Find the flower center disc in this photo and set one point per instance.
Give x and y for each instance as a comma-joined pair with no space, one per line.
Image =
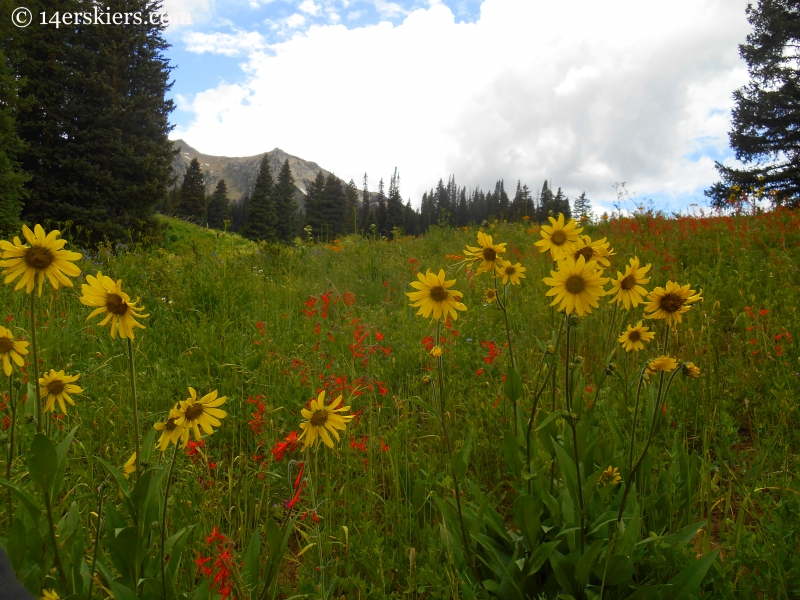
635,335
319,418
171,424
586,253
438,293
575,284
55,387
628,283
489,254
6,345
116,305
558,238
193,412
38,258
671,303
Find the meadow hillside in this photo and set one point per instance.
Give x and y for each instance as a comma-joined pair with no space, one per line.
714,512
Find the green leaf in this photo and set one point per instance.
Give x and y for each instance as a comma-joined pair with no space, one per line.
615,570
43,463
512,386
648,592
540,556
563,570
273,537
688,581
250,572
587,561
122,482
124,545
681,538
28,501
460,459
511,454
148,444
547,420
17,545
567,466
527,515
30,400
122,592
62,450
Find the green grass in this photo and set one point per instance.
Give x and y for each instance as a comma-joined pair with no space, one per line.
228,314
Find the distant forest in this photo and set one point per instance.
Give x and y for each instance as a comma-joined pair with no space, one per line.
333,208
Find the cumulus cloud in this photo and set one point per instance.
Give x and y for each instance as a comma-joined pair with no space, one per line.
583,93
227,44
308,7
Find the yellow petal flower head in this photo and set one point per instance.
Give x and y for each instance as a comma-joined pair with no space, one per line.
58,386
558,237
635,336
194,414
323,421
11,350
108,296
491,295
436,351
129,467
50,595
170,432
576,285
510,272
44,257
627,287
599,250
487,253
689,369
434,296
671,302
665,364
610,476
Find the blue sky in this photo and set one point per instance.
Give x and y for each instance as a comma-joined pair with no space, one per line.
583,93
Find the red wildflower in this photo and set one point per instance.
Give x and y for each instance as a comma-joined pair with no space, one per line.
480,372
288,444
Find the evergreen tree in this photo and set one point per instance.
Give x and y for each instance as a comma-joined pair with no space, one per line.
192,201
94,117
366,217
561,205
314,216
219,207
429,215
462,212
239,212
261,220
545,208
765,129
582,207
443,208
411,225
12,178
332,207
380,213
492,209
502,200
351,207
395,211
285,204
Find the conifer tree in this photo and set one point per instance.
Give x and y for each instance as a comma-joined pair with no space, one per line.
366,216
395,211
285,204
239,212
582,207
351,207
380,212
314,215
429,215
261,219
545,208
219,207
462,218
502,199
192,201
443,208
332,207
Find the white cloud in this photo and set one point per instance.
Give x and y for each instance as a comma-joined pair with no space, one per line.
295,20
308,7
227,44
389,9
353,15
583,94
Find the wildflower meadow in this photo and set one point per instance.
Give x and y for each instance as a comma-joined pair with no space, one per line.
582,410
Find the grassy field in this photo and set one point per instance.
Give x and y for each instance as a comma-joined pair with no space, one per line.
713,512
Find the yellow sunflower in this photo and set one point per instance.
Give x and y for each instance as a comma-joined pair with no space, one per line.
558,237
510,272
689,369
671,302
170,432
11,350
436,351
50,595
610,476
634,337
665,364
104,293
130,466
627,287
194,414
576,285
598,250
491,295
58,386
44,256
487,253
323,421
435,297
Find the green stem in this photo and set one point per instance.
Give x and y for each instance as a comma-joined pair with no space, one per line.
101,494
442,414
571,420
610,335
53,541
164,520
35,357
635,419
10,461
510,347
274,563
135,409
536,405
